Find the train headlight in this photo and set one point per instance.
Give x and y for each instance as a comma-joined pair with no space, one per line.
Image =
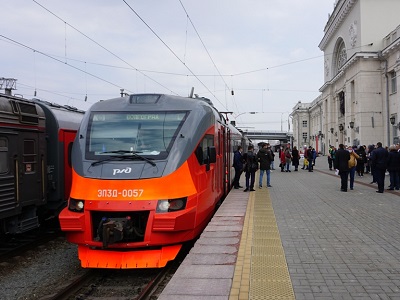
162,206
76,205
171,205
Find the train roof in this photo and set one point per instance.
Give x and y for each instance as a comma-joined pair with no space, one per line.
63,116
16,110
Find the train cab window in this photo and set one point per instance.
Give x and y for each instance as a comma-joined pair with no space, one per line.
29,156
70,154
150,134
3,155
202,149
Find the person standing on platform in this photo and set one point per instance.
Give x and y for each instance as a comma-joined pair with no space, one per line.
352,164
370,167
251,168
310,158
333,154
315,154
393,166
341,162
379,158
282,160
295,158
330,160
305,165
288,160
238,165
361,161
265,158
273,159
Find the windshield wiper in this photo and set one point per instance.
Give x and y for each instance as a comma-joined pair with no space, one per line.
132,155
121,152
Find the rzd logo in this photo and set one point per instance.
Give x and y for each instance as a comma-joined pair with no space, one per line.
127,170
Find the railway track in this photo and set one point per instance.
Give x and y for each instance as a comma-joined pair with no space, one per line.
116,284
11,246
137,284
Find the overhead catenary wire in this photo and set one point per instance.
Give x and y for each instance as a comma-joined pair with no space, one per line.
172,73
101,46
58,93
204,46
232,75
209,55
185,74
173,53
58,60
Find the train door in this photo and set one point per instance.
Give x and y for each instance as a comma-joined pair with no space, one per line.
30,161
68,138
220,165
229,158
226,163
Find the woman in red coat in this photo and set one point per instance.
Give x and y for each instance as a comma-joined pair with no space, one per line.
282,159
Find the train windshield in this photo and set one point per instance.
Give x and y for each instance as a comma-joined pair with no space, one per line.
149,134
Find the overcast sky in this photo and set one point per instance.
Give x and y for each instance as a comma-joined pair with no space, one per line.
265,51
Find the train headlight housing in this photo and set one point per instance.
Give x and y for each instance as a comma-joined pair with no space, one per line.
76,205
171,205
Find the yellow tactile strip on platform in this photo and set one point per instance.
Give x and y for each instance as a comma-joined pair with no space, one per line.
261,271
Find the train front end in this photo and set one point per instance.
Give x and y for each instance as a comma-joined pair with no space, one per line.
138,189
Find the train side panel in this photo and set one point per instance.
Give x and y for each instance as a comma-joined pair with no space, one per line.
23,164
34,137
62,123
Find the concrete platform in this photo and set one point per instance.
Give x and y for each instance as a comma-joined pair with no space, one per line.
300,239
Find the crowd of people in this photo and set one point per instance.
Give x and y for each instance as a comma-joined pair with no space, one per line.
360,160
250,163
263,160
346,161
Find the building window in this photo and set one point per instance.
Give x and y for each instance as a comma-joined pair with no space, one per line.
341,103
393,82
340,56
305,135
304,124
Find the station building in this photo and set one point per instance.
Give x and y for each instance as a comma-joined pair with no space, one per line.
359,102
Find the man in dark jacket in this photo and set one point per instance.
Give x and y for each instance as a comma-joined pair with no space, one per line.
250,169
393,167
379,157
341,162
238,165
265,157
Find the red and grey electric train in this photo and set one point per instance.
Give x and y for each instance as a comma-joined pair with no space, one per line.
148,172
35,172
